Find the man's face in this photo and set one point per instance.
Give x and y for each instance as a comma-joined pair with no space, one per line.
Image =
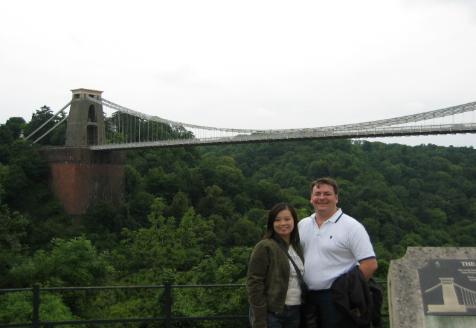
324,199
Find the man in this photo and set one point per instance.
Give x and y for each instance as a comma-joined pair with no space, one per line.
333,244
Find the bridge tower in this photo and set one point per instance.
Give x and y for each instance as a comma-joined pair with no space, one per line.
450,299
86,119
79,176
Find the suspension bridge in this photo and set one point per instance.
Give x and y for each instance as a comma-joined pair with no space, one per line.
106,125
90,165
456,298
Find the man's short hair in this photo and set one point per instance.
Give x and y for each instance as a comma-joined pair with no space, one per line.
327,181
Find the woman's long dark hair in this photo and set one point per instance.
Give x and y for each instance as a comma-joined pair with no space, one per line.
273,213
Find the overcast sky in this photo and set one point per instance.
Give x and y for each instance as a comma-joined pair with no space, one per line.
244,64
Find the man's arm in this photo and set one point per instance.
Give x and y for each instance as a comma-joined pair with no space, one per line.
368,267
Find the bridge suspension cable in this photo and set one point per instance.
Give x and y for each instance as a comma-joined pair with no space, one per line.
51,129
129,111
46,122
128,128
134,123
453,110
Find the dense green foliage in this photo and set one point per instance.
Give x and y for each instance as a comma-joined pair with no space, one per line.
191,216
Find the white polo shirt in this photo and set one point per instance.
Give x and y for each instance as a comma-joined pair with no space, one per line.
333,249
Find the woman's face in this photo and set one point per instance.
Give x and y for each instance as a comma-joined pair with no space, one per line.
283,224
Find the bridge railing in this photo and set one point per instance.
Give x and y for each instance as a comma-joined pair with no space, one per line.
165,303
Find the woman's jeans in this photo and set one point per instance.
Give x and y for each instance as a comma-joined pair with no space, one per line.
289,318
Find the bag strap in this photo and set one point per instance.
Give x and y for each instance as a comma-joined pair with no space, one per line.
298,272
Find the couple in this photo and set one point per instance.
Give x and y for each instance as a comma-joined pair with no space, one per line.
318,250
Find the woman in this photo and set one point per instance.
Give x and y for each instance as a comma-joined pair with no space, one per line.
273,286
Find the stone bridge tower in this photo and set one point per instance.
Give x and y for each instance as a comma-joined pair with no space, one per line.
81,177
85,119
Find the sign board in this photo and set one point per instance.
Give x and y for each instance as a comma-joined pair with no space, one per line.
448,287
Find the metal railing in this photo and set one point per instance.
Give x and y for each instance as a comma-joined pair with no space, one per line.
167,300
167,318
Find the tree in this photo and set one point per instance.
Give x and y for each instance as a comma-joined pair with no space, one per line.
180,204
156,253
244,232
16,126
215,203
268,193
73,262
105,217
133,180
13,232
16,308
40,116
25,183
139,208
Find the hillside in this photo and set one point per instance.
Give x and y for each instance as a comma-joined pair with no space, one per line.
191,215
